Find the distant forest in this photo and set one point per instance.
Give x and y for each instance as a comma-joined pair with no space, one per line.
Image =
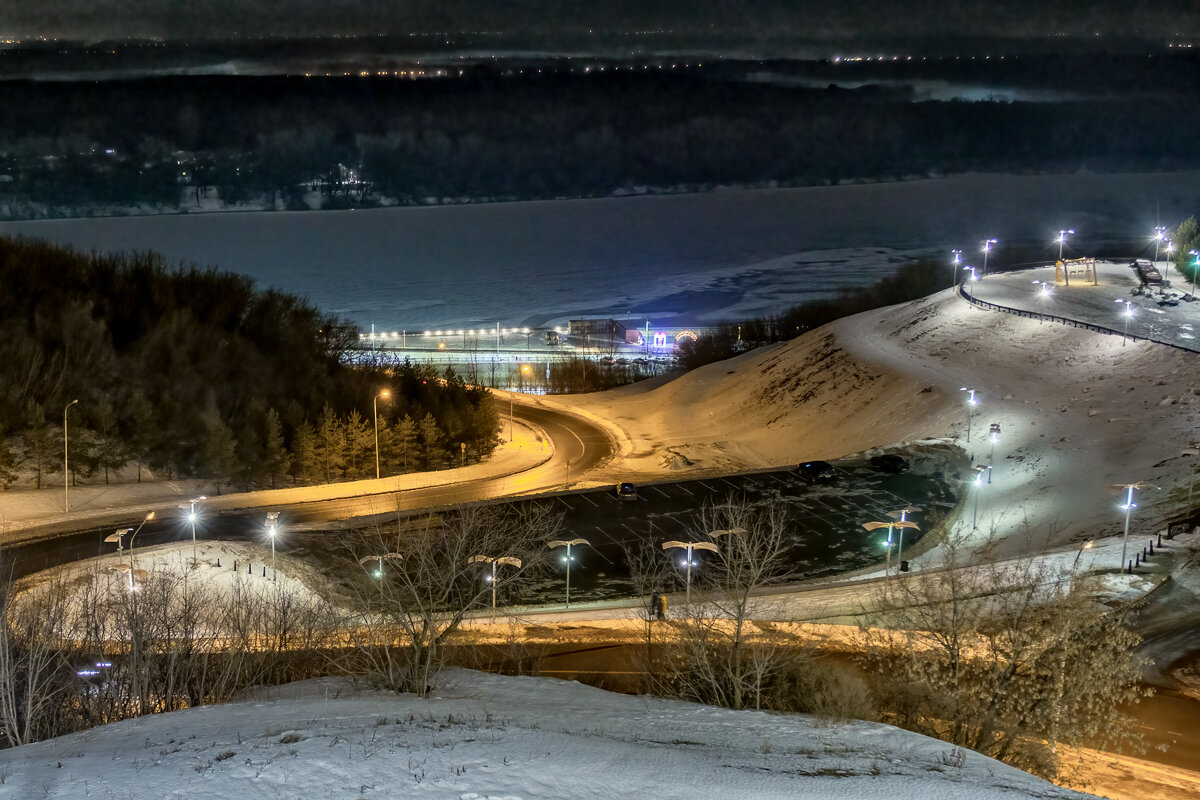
360,141
194,372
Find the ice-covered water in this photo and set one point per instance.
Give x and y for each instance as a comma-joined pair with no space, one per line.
699,256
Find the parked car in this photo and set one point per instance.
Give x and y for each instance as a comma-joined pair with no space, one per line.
889,463
813,471
626,491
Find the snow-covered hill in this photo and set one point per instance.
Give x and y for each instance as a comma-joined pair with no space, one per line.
483,736
1078,411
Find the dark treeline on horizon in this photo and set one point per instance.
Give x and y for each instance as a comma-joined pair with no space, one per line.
366,141
198,373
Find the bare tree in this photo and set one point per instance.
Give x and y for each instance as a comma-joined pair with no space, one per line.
416,585
1006,658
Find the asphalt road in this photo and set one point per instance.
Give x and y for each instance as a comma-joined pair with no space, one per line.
572,439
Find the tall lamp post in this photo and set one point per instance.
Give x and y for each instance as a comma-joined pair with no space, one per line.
66,472
375,410
272,531
986,247
993,436
1127,508
191,506
971,403
568,558
689,562
1195,268
1062,240
132,533
509,560
378,573
979,470
902,515
955,261
871,526
1128,313
1160,234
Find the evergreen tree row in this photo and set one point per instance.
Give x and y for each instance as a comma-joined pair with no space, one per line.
193,372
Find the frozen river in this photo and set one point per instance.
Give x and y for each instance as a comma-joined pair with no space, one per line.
700,257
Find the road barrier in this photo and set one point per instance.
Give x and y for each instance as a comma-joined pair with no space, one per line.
1020,312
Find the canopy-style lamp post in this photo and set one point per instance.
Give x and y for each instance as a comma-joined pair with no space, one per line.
509,560
568,558
689,562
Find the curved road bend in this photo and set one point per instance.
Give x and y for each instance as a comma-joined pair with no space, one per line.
572,438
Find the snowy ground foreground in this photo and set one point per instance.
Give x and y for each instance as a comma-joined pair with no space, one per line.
1078,411
485,736
21,508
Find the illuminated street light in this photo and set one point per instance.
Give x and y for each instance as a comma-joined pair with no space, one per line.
509,560
1160,234
191,518
1062,239
1127,508
993,436
986,248
375,410
902,524
568,558
902,515
688,561
272,531
378,573
66,472
116,537
955,261
1128,313
1045,291
979,470
971,403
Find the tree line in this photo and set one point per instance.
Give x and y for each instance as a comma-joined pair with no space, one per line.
484,136
192,372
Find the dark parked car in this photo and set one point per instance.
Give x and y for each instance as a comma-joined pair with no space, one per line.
889,463
626,491
813,471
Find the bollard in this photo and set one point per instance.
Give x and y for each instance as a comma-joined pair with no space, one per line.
1137,560
235,565
1151,547
249,569
1143,554
1160,540
264,570
218,563
1130,570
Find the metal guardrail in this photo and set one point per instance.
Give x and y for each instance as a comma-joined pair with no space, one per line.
962,290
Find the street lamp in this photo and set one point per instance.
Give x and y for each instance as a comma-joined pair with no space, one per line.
1128,314
902,515
871,526
375,409
955,261
66,473
116,537
1127,508
689,562
979,470
1195,268
1160,233
1062,239
568,558
1045,288
378,573
192,520
509,560
986,247
971,403
993,436
272,531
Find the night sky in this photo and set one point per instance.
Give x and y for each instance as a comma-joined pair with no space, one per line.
750,18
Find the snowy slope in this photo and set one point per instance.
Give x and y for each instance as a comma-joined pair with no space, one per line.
1078,411
484,736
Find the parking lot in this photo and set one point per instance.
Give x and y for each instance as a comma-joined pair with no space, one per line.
823,521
